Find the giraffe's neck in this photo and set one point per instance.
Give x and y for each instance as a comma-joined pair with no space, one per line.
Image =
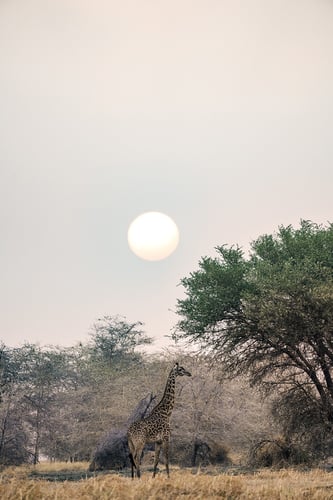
165,406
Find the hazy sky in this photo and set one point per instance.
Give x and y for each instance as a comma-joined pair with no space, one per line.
218,113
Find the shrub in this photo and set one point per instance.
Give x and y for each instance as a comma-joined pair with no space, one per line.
190,453
278,452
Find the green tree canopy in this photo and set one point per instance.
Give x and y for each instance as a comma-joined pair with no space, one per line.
270,314
114,338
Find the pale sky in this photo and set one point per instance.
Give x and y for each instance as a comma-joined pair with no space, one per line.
218,113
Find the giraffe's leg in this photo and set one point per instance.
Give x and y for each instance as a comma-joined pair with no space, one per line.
157,456
132,465
137,459
166,455
138,471
131,455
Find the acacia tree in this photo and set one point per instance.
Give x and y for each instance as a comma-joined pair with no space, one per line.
270,315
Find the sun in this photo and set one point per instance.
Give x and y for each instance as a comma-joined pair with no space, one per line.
153,236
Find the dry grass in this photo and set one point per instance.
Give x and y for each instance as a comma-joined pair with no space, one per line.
17,484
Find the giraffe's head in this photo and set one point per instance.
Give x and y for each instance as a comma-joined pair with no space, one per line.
180,371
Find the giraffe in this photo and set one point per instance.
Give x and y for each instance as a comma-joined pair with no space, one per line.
156,427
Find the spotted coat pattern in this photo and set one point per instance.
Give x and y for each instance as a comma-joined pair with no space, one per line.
156,427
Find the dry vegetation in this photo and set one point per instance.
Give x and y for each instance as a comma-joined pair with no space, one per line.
26,483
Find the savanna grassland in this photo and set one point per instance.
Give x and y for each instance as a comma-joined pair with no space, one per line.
69,481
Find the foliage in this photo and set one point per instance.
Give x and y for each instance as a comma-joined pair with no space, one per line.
62,402
214,297
31,378
114,339
270,316
65,413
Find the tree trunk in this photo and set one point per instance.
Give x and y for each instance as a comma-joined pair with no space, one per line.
36,447
3,431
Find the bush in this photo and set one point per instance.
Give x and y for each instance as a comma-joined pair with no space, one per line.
278,452
198,452
15,449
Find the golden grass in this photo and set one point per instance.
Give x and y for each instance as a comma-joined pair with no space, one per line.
17,484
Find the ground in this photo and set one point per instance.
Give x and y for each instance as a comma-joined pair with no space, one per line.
62,481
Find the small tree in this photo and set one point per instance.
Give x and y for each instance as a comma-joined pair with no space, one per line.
115,339
42,375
